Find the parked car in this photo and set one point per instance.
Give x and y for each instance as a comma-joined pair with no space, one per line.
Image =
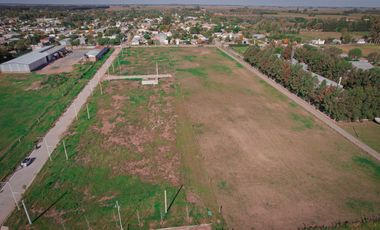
27,161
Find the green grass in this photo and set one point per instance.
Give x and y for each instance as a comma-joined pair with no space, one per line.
88,184
230,58
302,122
240,49
28,114
368,165
368,132
189,58
272,91
360,205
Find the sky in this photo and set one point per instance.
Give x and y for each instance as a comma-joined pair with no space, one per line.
331,3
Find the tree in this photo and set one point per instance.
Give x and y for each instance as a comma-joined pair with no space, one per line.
374,33
355,54
374,58
346,36
167,20
287,54
147,36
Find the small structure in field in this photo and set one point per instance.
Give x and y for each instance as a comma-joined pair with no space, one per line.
150,81
96,54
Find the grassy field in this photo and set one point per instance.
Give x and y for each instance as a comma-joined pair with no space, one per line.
310,35
128,152
30,104
368,132
366,48
240,49
236,144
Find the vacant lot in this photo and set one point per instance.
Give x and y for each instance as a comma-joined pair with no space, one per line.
30,104
237,145
65,64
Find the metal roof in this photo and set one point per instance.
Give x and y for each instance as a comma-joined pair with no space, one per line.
365,65
93,52
35,55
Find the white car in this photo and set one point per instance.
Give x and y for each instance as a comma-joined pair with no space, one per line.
27,161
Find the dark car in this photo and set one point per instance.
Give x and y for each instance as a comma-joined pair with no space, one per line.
27,161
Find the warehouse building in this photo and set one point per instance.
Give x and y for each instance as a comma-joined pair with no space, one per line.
96,54
33,60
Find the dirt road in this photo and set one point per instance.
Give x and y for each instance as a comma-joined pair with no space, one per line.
321,116
23,178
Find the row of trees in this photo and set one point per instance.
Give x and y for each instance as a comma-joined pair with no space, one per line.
329,64
356,101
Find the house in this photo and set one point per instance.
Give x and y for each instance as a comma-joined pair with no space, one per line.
258,36
96,54
65,42
337,41
33,60
362,64
245,41
136,40
317,42
161,38
361,41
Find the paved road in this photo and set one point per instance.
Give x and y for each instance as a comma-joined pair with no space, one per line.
311,109
23,178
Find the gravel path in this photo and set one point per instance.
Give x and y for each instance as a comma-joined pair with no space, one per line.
23,178
311,109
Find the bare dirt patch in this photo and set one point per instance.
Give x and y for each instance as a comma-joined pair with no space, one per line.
64,64
141,120
36,85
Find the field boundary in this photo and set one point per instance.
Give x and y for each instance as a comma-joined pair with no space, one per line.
318,114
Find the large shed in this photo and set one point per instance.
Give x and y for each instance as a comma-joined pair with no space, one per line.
96,54
33,60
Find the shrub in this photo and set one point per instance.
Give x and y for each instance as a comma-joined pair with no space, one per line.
355,53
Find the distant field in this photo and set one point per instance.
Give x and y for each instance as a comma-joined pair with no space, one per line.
235,143
368,132
310,35
30,104
366,48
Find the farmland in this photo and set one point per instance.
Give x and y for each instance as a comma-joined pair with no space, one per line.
236,144
30,104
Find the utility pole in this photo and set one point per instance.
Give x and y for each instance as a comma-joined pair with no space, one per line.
47,148
101,88
166,203
64,148
88,223
88,112
26,212
76,111
118,211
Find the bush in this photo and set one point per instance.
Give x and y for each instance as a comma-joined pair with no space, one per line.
355,54
374,58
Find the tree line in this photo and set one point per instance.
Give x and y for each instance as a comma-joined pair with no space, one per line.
359,99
